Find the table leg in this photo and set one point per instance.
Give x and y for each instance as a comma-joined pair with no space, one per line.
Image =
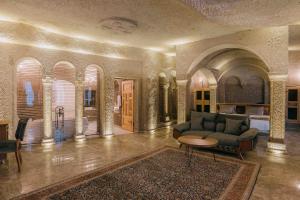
214,156
190,155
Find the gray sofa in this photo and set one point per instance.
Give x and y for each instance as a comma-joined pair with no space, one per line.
232,131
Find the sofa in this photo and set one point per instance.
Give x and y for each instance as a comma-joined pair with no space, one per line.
233,132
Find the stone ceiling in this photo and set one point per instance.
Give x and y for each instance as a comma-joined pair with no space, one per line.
154,24
248,13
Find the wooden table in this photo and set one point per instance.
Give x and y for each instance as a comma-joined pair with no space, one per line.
191,141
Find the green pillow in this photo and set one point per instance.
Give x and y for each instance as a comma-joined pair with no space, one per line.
220,127
209,125
233,126
196,123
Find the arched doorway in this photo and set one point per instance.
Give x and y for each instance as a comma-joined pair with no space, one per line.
63,101
238,81
93,92
30,98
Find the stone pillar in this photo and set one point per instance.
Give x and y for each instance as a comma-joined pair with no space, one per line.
166,102
213,98
181,93
47,111
79,85
277,112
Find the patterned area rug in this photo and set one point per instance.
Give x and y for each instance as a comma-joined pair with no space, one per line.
160,174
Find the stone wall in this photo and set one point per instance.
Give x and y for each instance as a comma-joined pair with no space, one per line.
143,69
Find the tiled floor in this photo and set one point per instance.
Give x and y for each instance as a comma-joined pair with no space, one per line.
279,177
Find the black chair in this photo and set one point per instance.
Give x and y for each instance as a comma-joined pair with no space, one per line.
9,146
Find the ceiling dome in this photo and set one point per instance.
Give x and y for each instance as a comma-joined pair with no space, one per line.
249,13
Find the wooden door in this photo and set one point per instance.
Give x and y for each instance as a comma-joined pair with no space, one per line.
127,105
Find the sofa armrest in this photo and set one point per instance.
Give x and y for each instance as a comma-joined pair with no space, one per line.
182,127
248,135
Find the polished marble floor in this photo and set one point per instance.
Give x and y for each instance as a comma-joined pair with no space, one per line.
279,177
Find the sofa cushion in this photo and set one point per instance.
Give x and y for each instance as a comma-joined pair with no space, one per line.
233,126
205,115
220,127
209,125
223,117
198,133
196,123
226,139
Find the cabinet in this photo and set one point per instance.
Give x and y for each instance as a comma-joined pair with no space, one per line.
3,136
293,103
202,100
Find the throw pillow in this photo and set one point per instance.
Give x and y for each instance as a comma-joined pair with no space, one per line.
233,126
196,123
209,125
220,127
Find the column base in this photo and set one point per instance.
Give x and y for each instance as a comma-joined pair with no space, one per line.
78,138
167,118
47,141
277,147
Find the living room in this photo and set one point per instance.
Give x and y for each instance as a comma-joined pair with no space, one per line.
172,99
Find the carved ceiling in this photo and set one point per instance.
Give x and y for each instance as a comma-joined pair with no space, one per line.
153,24
248,13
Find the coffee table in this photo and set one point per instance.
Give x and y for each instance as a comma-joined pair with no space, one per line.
192,141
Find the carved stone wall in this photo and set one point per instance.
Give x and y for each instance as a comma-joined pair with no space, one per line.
182,94
278,104
144,71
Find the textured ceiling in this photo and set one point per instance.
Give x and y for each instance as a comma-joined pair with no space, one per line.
142,23
248,13
156,24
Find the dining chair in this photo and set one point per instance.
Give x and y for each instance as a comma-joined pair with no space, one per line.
9,146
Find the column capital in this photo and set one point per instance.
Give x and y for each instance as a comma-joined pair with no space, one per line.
182,82
47,80
278,77
166,86
213,86
79,83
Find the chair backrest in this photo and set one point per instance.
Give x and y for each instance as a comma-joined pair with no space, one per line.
21,129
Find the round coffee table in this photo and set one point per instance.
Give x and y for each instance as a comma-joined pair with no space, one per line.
191,141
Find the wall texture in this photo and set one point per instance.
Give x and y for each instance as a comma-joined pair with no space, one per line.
142,66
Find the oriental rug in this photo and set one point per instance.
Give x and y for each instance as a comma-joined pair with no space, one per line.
160,174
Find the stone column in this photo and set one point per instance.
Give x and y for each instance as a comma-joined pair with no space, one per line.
47,111
277,112
79,85
166,102
213,98
181,93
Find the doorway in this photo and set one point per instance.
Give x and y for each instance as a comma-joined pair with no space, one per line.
123,106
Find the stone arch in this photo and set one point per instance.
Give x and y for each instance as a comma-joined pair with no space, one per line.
101,91
215,50
29,96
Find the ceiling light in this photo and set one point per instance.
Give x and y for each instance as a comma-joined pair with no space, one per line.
44,45
113,55
170,54
5,39
155,49
179,41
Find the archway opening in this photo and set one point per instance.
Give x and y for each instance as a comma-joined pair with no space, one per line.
63,101
92,100
242,84
30,98
167,97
